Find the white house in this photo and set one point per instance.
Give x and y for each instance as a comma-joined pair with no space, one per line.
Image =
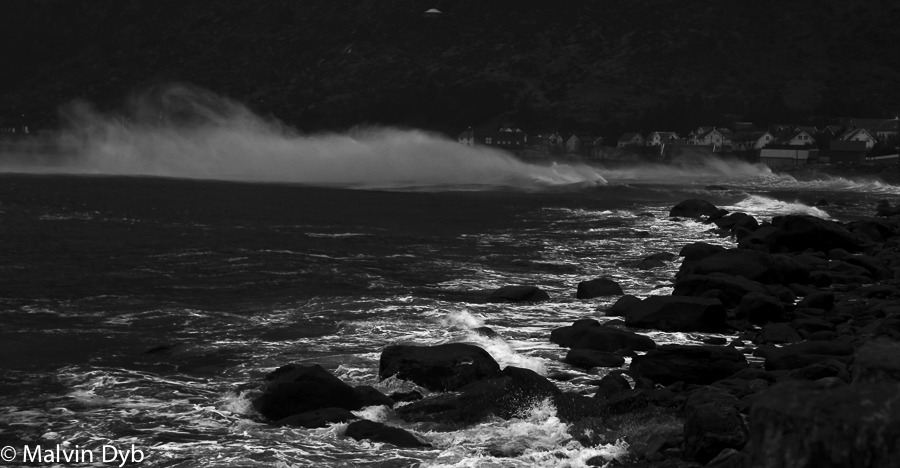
660,138
860,134
751,140
795,138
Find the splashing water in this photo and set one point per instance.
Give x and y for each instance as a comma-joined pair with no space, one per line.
184,132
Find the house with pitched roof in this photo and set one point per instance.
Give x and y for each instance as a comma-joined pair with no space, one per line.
743,141
887,130
859,134
794,138
502,140
630,139
661,138
711,137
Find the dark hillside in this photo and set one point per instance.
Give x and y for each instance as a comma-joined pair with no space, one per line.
590,65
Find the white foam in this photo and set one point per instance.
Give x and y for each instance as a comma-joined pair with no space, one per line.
758,205
462,318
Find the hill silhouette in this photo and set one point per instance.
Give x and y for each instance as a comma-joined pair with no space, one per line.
597,66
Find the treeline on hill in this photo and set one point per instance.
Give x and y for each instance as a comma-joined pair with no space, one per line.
601,66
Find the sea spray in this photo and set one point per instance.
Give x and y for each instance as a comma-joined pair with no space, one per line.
179,131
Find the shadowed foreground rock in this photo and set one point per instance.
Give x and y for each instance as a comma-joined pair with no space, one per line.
597,288
445,367
378,432
678,313
689,364
693,208
712,423
795,425
317,418
589,334
518,294
295,389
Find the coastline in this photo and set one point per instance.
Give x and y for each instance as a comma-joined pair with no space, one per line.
886,173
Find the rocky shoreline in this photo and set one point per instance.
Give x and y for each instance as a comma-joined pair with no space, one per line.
814,302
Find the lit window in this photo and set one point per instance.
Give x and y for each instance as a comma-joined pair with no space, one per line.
487,141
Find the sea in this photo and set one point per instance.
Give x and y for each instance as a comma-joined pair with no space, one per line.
153,275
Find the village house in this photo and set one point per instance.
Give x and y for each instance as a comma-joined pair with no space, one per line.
584,145
860,134
630,139
794,138
743,141
503,140
661,138
847,152
888,130
711,137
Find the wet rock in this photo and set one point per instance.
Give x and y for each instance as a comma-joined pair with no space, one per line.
295,389
761,308
693,253
445,367
755,266
318,418
763,239
588,358
572,407
678,313
370,396
737,220
727,288
597,288
819,370
589,334
622,306
690,364
795,356
486,332
877,362
610,385
518,294
712,423
693,208
378,432
796,425
797,233
515,390
406,396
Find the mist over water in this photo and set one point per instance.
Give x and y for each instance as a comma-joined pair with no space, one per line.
184,132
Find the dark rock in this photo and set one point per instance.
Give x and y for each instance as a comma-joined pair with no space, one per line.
610,385
592,335
819,370
802,289
761,308
662,256
486,332
693,208
690,364
622,306
571,407
799,355
378,432
588,358
877,362
779,333
318,418
810,325
597,288
755,266
797,233
824,335
728,289
518,294
406,396
295,389
371,396
624,402
693,253
443,367
712,423
796,425
678,313
762,239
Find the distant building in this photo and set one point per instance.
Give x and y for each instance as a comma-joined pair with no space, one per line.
630,139
743,141
588,146
512,141
710,136
794,138
784,157
860,134
660,138
887,130
848,152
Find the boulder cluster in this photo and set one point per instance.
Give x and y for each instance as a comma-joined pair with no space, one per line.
814,304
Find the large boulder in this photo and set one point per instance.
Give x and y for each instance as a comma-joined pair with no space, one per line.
507,395
589,358
597,288
728,289
797,233
760,308
796,425
518,294
318,418
795,356
690,364
445,367
623,305
779,333
693,253
712,423
693,208
755,266
678,313
877,362
379,432
295,389
589,334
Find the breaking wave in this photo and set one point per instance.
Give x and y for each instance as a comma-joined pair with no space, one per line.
183,132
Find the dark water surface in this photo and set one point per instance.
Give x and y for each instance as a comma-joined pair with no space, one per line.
134,310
